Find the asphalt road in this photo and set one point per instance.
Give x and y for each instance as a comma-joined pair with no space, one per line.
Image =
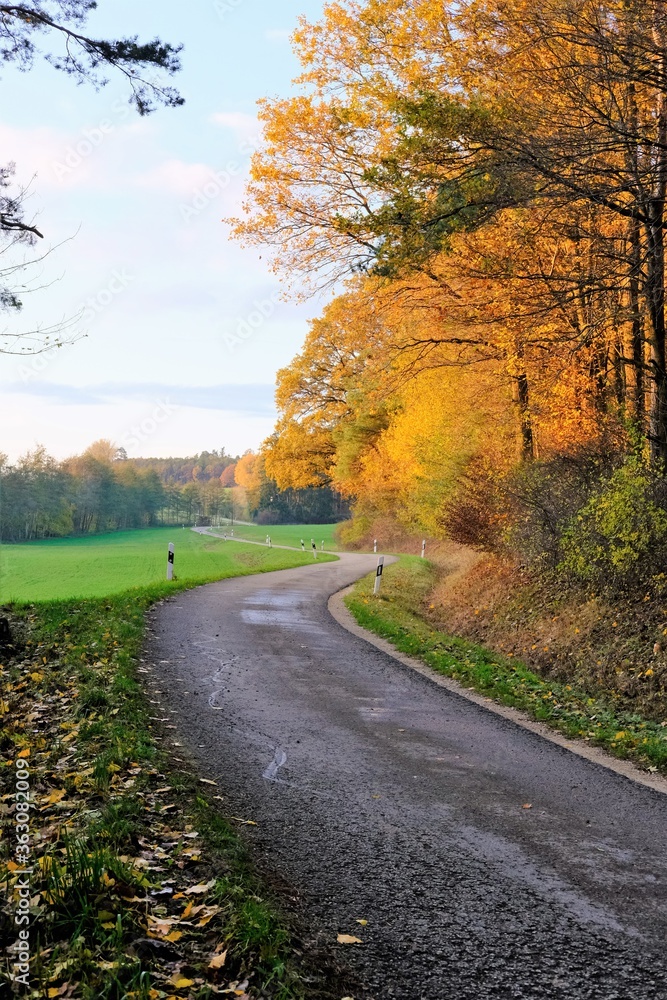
382,797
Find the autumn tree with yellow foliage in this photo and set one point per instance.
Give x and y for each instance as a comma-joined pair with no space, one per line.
488,178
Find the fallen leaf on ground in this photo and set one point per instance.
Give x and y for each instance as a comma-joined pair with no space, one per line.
348,939
57,795
527,805
218,961
363,923
239,989
160,927
196,890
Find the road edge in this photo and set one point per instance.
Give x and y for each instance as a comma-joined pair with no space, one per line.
595,755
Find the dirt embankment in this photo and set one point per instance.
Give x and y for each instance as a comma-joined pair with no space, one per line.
614,647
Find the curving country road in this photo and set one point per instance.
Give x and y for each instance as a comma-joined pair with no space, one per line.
383,797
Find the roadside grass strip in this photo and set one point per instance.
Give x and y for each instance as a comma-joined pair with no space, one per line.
138,888
400,615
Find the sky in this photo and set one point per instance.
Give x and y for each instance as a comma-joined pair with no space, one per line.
178,330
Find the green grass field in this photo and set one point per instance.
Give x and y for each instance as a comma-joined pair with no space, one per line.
287,534
100,565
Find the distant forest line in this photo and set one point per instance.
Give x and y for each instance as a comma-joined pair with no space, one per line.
104,490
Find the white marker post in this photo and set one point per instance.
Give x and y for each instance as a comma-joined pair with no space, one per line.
170,562
322,545
303,545
424,549
378,576
313,545
270,542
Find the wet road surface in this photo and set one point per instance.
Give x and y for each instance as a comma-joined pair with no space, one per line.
382,797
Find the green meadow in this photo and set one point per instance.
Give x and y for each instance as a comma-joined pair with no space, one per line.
96,566
287,534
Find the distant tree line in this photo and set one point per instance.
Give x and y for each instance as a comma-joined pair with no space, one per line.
103,490
203,468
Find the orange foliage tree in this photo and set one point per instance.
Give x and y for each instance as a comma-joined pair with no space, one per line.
494,173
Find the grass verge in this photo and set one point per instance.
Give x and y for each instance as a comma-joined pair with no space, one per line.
400,614
138,887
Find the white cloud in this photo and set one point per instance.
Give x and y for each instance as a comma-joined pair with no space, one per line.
278,34
181,430
237,120
176,177
59,159
246,127
36,152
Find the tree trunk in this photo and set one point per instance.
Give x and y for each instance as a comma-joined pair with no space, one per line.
656,262
636,353
525,418
657,424
521,398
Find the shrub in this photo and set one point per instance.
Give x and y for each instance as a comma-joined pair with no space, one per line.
477,513
619,537
268,516
353,532
543,499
